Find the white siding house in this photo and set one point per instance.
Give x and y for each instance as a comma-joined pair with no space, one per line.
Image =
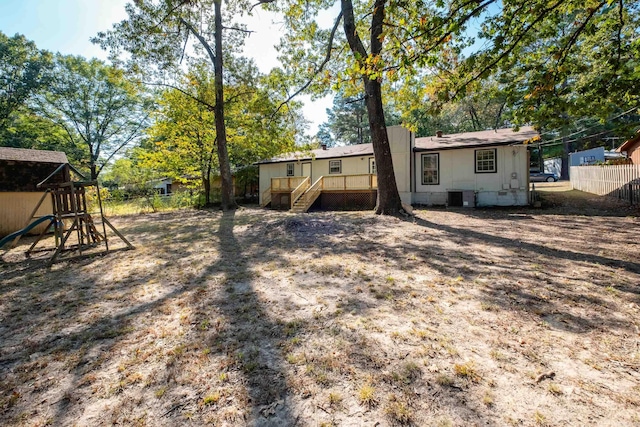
487,168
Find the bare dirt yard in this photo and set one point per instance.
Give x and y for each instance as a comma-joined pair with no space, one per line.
450,318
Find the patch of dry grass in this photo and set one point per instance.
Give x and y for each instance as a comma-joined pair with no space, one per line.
329,319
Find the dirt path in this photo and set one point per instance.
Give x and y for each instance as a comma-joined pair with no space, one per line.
456,317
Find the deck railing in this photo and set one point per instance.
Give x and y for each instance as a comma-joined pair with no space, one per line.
286,183
310,195
266,197
350,182
300,189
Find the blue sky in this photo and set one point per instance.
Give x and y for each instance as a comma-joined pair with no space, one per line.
65,26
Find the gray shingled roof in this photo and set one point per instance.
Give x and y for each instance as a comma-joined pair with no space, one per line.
430,143
475,139
37,156
329,153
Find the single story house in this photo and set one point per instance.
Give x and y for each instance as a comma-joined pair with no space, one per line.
486,168
632,148
20,172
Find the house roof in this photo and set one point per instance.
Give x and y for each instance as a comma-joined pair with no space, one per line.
629,142
430,143
329,153
37,156
475,139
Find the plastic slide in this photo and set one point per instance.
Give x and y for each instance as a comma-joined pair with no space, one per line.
25,230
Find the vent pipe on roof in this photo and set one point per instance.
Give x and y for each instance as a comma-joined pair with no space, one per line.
439,133
324,146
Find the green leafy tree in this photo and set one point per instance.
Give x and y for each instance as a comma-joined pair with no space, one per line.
184,135
484,107
347,120
95,107
380,40
26,129
561,65
23,72
157,34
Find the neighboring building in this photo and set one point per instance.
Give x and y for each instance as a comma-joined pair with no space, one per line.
553,165
487,168
164,186
593,156
587,157
632,148
241,187
20,172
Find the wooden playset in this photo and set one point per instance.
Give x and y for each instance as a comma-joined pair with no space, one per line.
78,225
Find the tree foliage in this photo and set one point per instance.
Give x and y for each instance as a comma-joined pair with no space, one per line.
24,70
158,34
557,62
95,106
347,121
26,129
185,137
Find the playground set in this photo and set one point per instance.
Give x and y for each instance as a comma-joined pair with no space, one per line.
71,217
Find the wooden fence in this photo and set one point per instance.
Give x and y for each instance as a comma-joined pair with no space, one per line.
620,181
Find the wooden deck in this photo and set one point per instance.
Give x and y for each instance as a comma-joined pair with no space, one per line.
301,193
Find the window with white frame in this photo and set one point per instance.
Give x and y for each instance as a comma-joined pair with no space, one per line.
486,161
372,165
431,169
335,166
290,169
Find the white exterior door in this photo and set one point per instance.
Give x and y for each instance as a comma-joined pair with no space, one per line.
306,169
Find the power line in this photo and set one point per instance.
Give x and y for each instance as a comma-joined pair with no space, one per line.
587,129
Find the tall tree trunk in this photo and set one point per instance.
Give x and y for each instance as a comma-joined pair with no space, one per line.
389,202
228,201
206,183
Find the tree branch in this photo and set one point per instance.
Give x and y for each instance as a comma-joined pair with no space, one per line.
202,40
517,41
450,32
575,35
126,141
238,29
195,98
619,35
259,3
178,6
317,70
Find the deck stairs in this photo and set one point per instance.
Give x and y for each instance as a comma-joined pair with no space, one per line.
303,202
266,198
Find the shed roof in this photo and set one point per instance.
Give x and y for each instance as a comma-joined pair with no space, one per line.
476,139
37,156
